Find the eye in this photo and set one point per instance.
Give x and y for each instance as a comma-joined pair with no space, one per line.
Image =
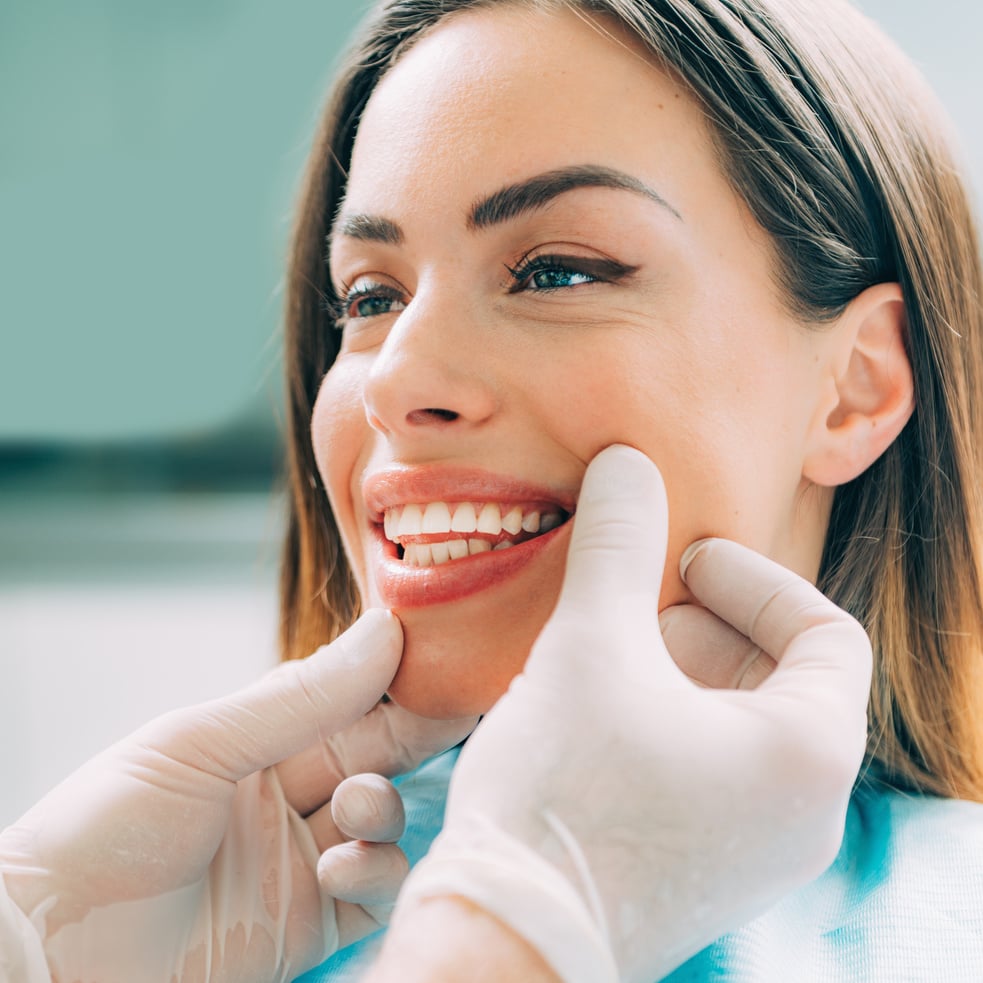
548,273
367,299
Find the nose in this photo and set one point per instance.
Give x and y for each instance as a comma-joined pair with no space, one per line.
429,375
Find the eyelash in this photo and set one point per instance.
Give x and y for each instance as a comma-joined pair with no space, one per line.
339,307
594,270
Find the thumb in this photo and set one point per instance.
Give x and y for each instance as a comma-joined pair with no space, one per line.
610,591
297,705
620,530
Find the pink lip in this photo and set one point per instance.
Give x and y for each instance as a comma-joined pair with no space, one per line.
402,586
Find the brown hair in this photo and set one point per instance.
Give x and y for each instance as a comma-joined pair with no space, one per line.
830,137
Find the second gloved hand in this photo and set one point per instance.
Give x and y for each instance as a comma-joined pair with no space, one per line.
614,814
181,853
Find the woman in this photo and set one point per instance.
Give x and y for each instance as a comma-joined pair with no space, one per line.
707,230
840,157
682,184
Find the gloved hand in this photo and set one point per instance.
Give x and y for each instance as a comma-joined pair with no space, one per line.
181,854
711,652
619,817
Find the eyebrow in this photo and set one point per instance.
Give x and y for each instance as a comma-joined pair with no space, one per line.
539,191
509,202
368,228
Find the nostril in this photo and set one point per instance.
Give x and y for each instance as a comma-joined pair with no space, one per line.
431,414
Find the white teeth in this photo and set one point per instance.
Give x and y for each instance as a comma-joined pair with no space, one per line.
437,518
464,518
433,554
406,522
410,521
418,555
490,520
512,520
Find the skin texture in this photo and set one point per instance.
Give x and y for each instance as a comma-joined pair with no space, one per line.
691,356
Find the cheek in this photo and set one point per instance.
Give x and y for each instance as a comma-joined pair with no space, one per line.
711,431
340,434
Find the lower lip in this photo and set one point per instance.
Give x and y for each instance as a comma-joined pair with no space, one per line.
403,586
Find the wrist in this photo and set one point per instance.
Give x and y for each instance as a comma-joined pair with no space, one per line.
506,879
451,940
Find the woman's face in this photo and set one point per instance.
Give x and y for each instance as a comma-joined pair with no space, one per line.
540,256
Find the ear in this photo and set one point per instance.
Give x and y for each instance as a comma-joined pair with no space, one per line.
869,394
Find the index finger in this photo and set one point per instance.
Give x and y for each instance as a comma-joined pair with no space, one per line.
388,740
782,613
618,544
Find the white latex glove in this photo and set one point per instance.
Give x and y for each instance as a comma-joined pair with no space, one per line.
613,813
710,651
179,854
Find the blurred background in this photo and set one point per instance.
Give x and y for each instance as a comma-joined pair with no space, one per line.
148,160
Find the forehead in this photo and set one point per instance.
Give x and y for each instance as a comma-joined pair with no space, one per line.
493,95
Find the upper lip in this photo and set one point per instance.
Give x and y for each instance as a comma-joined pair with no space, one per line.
386,489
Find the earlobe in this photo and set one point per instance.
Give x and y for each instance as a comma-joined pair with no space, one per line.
869,394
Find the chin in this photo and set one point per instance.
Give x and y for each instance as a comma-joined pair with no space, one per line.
459,658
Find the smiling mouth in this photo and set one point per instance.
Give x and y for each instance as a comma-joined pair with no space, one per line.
433,533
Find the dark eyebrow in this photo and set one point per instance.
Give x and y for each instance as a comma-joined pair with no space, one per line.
368,228
536,192
508,203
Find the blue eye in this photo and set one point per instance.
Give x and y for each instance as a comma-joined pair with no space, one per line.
554,278
547,273
370,300
371,306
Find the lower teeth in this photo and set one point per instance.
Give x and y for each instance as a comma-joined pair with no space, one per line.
435,554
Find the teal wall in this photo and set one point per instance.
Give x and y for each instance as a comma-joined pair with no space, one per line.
148,156
149,152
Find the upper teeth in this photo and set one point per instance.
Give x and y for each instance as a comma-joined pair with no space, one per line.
489,519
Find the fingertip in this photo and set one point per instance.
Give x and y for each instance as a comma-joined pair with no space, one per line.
690,554
379,624
621,473
368,807
376,639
